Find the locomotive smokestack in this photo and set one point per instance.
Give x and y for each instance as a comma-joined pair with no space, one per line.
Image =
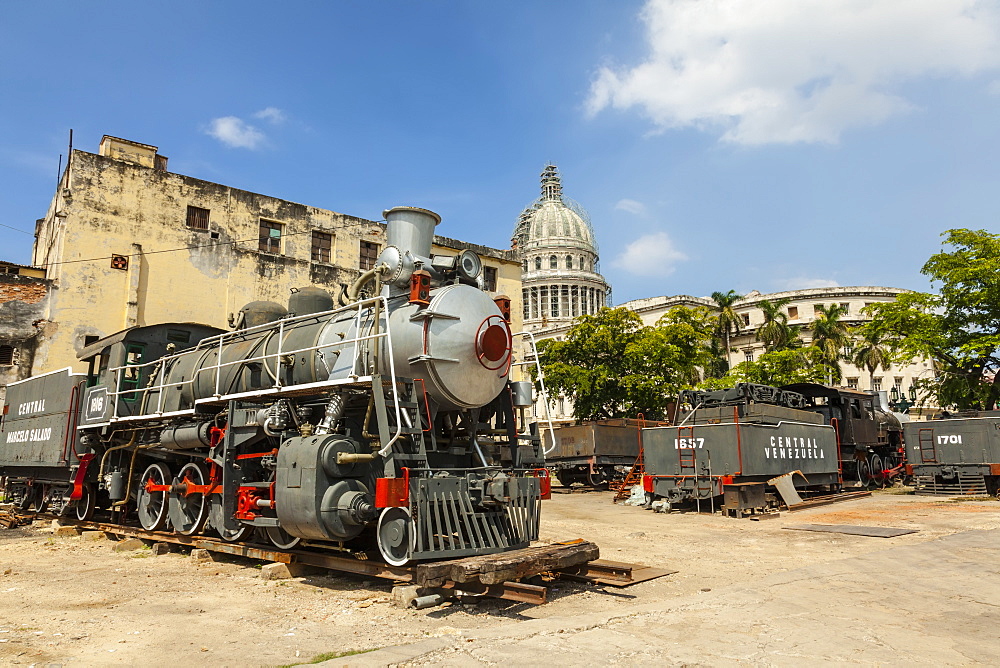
411,229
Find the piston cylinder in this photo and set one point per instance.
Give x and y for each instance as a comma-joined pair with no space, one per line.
186,436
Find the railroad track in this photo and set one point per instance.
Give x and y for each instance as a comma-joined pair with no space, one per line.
496,575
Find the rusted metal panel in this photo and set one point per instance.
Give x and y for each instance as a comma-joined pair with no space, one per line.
614,573
853,530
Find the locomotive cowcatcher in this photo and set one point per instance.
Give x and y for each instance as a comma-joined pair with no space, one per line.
388,420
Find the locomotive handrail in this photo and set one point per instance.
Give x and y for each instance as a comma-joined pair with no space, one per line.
544,392
226,337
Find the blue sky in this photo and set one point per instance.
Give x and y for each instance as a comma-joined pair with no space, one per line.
717,145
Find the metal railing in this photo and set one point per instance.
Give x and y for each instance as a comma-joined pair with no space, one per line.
156,369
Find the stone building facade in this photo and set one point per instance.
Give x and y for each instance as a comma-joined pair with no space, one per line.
560,270
125,242
801,311
560,273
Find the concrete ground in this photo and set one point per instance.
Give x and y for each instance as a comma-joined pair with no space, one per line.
934,602
745,593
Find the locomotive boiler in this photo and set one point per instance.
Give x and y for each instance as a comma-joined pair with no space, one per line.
389,420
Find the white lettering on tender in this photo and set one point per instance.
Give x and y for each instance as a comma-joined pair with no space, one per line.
29,435
36,406
793,447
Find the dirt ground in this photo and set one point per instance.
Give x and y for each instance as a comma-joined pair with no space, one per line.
70,601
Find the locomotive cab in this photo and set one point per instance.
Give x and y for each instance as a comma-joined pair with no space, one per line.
870,438
121,364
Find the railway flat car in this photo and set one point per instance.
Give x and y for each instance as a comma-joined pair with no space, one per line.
957,455
594,453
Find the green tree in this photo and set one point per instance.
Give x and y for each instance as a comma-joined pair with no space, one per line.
830,335
781,367
872,349
727,319
959,328
611,365
775,332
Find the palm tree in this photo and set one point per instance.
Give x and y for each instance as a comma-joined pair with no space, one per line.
775,333
830,335
728,319
871,352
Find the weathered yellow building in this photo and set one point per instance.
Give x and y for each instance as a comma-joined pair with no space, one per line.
126,242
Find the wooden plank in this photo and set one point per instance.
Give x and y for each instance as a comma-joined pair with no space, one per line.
507,566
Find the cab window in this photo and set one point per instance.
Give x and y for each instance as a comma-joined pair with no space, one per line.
131,375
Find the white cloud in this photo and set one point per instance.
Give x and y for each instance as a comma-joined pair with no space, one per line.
803,283
631,206
650,255
785,71
236,133
272,115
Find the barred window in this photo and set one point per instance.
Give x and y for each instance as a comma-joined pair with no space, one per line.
197,218
322,246
270,236
369,253
6,355
490,279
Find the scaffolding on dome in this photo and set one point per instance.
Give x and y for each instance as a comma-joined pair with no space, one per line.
552,192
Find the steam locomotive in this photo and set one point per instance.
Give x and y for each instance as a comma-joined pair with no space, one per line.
388,420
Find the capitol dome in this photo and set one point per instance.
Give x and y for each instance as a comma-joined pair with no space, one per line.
554,220
560,272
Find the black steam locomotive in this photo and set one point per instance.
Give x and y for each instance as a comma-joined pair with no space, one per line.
389,420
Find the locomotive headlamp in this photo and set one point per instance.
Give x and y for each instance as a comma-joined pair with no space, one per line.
443,262
469,265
